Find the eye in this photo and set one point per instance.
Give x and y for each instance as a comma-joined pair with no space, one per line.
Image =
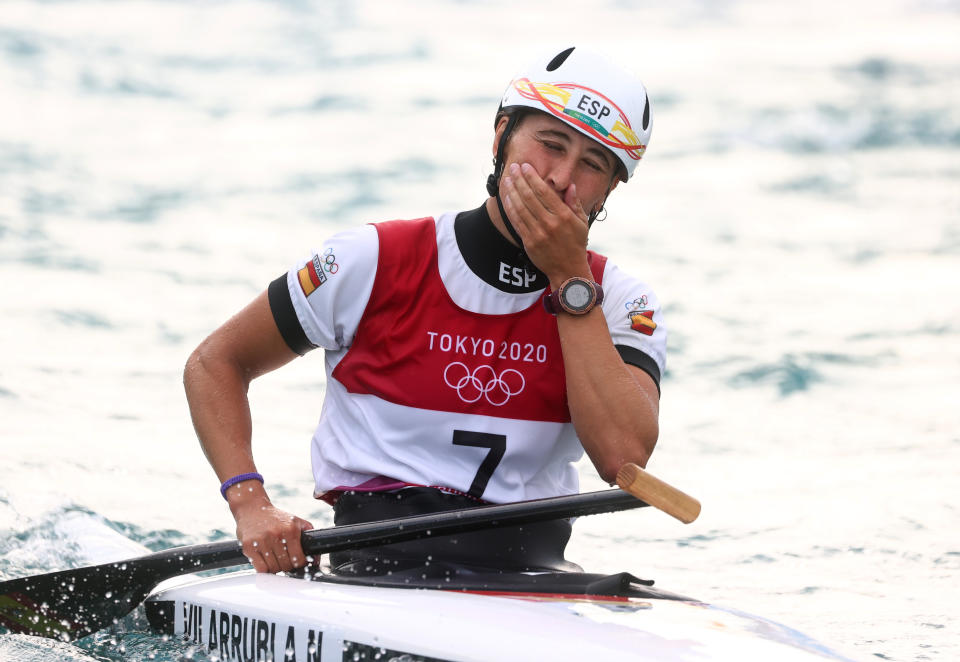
552,146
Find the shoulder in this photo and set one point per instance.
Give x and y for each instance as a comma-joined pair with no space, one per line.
634,313
362,238
617,277
412,228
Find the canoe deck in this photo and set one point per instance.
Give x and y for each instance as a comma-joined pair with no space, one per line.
246,616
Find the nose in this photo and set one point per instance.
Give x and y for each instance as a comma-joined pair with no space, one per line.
560,175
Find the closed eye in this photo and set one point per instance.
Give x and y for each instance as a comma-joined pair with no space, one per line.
552,146
592,160
593,165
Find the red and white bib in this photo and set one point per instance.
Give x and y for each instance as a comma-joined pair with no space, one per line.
443,396
435,377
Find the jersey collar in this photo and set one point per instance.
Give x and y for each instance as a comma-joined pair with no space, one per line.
492,257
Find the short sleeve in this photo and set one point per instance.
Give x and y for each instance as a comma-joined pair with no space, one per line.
330,289
635,321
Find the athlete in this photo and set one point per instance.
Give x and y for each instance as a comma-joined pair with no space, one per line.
471,357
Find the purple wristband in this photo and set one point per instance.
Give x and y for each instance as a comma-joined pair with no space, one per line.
230,482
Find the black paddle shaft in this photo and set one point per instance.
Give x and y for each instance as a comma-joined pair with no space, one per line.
385,532
70,604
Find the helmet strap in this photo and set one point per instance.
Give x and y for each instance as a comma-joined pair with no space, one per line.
512,230
493,183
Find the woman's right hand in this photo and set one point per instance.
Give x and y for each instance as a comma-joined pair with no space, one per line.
270,536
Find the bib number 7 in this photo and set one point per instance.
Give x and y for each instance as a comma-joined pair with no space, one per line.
497,443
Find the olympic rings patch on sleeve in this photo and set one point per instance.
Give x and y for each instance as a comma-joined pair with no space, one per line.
314,273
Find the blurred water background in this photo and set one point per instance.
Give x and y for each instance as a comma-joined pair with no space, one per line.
798,212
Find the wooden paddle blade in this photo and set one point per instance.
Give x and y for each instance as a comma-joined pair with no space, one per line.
657,493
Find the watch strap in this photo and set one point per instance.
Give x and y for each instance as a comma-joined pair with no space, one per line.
553,305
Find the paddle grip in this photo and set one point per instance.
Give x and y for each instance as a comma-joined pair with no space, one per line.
657,493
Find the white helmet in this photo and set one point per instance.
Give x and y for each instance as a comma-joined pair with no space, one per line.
593,95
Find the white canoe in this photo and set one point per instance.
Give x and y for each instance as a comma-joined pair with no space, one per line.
243,616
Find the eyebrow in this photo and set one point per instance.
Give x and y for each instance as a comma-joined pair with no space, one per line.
591,149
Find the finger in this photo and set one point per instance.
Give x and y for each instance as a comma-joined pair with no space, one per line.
287,551
572,200
519,215
271,561
521,204
283,559
522,188
298,557
255,558
536,191
260,555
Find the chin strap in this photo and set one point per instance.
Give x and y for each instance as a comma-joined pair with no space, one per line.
512,230
493,185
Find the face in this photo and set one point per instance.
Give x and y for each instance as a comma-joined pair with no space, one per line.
562,156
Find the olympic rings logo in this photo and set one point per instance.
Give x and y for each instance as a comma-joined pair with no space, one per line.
637,304
330,261
483,382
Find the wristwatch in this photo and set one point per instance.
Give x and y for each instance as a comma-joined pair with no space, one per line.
576,296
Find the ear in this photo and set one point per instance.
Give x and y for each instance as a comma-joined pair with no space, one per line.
613,185
500,128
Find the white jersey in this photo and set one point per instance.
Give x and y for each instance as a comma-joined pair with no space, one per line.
445,380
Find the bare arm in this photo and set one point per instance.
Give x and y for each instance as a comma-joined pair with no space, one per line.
216,378
614,406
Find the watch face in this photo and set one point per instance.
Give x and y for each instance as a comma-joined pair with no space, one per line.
577,295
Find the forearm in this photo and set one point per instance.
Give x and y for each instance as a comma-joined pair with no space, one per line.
216,379
614,407
614,415
217,396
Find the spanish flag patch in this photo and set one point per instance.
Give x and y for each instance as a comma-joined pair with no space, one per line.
311,276
642,321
